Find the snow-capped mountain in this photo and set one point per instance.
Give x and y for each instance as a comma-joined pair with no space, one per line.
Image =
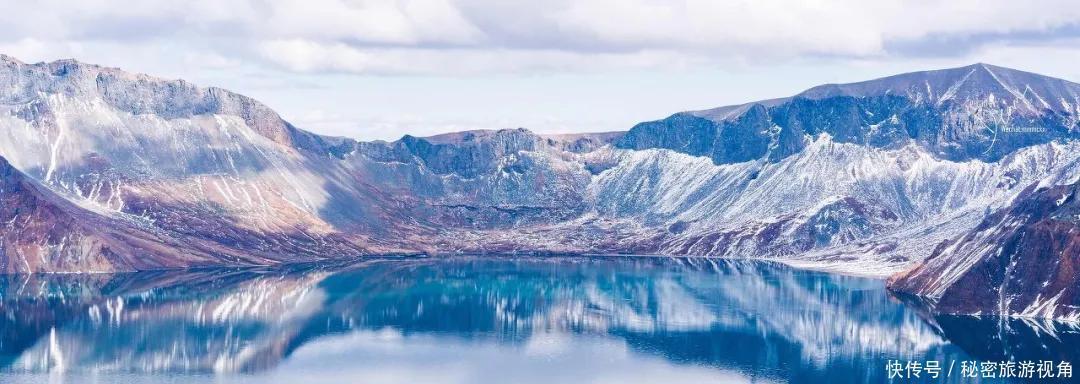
975,112
866,177
1020,261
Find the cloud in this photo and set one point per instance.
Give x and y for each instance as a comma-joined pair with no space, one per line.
472,36
309,56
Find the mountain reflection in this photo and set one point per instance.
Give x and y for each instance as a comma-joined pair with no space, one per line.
762,321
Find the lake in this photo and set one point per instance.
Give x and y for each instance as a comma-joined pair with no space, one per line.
490,320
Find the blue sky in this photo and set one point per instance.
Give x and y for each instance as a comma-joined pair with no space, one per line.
380,69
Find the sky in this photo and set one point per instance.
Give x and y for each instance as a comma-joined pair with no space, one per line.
380,69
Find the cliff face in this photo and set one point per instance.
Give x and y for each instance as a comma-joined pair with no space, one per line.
866,177
1022,261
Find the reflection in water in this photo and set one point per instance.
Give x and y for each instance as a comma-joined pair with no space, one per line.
488,320
1006,339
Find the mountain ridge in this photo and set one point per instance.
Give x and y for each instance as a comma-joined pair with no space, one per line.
866,185
171,97
903,81
977,116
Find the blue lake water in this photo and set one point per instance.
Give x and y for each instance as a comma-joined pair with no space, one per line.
490,320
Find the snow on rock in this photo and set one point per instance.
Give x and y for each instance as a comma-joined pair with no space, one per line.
1020,261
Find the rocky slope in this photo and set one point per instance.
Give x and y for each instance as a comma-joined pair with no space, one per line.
1021,261
45,232
866,177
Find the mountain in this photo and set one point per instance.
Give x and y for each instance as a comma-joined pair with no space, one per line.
1021,261
975,112
215,171
864,178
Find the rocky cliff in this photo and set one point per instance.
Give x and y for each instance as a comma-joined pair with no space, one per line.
1021,261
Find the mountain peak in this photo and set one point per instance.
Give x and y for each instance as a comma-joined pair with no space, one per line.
1025,92
7,59
474,135
138,94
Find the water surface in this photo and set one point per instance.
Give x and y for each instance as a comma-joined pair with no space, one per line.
488,320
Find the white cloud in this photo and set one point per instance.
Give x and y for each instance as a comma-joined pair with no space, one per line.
365,22
371,66
455,36
309,56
